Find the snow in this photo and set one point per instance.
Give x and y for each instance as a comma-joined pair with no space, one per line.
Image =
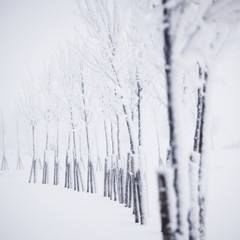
223,213
35,211
30,42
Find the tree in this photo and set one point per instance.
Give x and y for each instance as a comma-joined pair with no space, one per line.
29,105
19,160
69,75
4,165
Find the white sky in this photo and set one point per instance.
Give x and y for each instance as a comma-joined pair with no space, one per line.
30,32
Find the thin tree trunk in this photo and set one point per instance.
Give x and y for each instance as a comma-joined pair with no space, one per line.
130,190
140,196
99,167
193,216
106,161
90,174
119,164
68,181
109,183
80,145
56,159
135,206
45,162
33,168
127,181
201,192
140,185
118,141
19,160
121,191
160,161
105,177
4,159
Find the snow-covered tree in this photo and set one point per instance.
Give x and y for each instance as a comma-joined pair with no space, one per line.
30,106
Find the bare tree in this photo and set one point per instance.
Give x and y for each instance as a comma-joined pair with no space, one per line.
29,105
4,165
19,160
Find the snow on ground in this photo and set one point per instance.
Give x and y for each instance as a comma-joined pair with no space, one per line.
223,214
46,212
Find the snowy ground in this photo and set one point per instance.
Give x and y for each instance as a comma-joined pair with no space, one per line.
46,212
223,219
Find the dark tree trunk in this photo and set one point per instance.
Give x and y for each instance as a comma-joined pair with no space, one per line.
165,208
172,126
109,183
106,161
130,176
118,141
114,185
127,181
198,202
201,193
105,177
140,186
45,162
68,177
33,172
56,161
134,188
140,196
121,191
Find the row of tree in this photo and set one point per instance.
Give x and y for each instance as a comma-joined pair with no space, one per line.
127,55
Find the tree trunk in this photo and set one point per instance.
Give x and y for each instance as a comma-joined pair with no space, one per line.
140,197
106,161
134,189
56,160
140,185
193,216
201,191
33,171
99,167
4,159
166,201
45,162
90,173
127,181
172,125
19,160
160,161
68,177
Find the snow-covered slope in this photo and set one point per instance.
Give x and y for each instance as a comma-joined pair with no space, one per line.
223,211
45,212
42,212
